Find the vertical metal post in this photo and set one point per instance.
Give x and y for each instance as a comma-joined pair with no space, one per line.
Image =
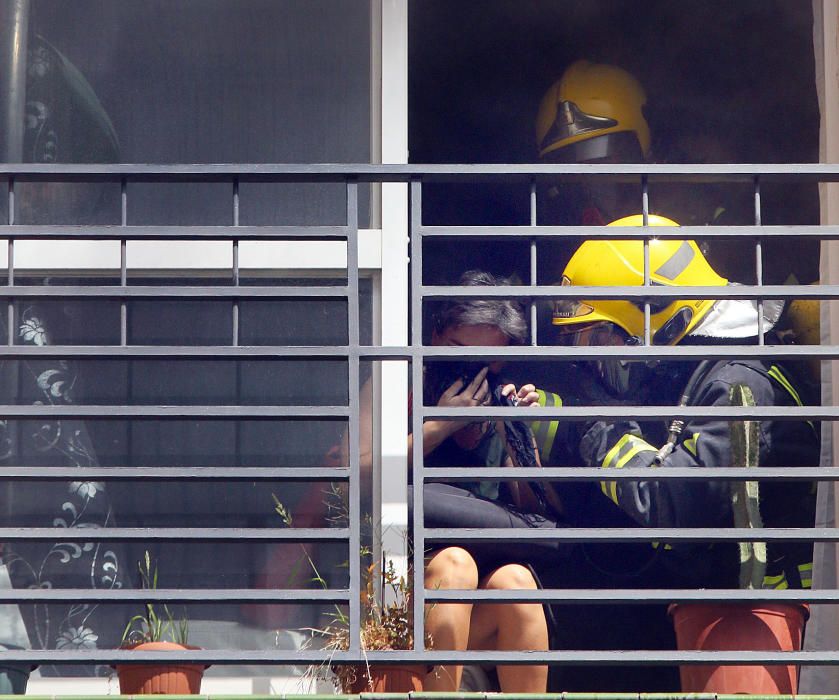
123,310
14,426
533,266
123,263
761,340
10,319
645,217
416,415
14,33
236,264
354,386
237,363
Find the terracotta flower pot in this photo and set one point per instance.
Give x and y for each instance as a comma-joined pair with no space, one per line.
718,627
160,679
387,679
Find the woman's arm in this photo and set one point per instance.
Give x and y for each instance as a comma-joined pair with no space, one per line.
458,395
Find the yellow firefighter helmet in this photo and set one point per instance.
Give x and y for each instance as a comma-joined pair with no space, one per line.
599,263
594,111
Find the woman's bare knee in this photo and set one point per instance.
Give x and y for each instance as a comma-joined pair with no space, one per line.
510,577
452,567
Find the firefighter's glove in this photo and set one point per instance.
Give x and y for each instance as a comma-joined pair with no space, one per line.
599,437
594,394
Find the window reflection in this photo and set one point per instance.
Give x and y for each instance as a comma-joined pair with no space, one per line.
117,82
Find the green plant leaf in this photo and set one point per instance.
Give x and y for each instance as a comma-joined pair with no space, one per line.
150,626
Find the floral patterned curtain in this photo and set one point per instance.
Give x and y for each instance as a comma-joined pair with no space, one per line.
62,504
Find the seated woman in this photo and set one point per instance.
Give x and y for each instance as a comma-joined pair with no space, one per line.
460,626
502,626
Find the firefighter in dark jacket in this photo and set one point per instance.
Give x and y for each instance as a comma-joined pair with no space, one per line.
630,443
697,442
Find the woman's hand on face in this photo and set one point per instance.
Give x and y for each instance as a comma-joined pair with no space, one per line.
525,396
475,393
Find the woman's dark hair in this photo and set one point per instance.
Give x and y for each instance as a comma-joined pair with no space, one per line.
504,314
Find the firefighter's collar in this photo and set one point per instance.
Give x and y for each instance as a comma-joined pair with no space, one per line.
738,318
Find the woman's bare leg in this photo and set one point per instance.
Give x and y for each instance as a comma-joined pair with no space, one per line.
512,627
448,624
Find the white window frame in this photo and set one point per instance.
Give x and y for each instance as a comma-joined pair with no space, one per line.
392,459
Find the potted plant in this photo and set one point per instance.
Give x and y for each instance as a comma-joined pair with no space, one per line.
386,622
151,631
385,626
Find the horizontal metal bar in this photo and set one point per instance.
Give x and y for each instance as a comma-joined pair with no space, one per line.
372,352
582,474
244,233
188,352
584,413
532,413
262,595
585,596
174,534
568,474
803,232
618,657
181,595
88,534
175,412
169,292
635,293
185,474
115,291
222,657
653,352
179,233
365,172
634,534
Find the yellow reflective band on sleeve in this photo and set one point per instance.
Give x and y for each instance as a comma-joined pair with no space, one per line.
777,583
690,444
638,445
776,374
610,490
805,573
616,458
612,455
545,431
624,450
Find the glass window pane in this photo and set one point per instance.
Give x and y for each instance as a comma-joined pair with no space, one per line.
256,82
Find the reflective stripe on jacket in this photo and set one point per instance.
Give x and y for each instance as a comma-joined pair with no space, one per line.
707,443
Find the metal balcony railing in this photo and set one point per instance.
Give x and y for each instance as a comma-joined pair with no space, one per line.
415,353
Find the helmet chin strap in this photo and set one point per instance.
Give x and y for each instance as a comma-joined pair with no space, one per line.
619,376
